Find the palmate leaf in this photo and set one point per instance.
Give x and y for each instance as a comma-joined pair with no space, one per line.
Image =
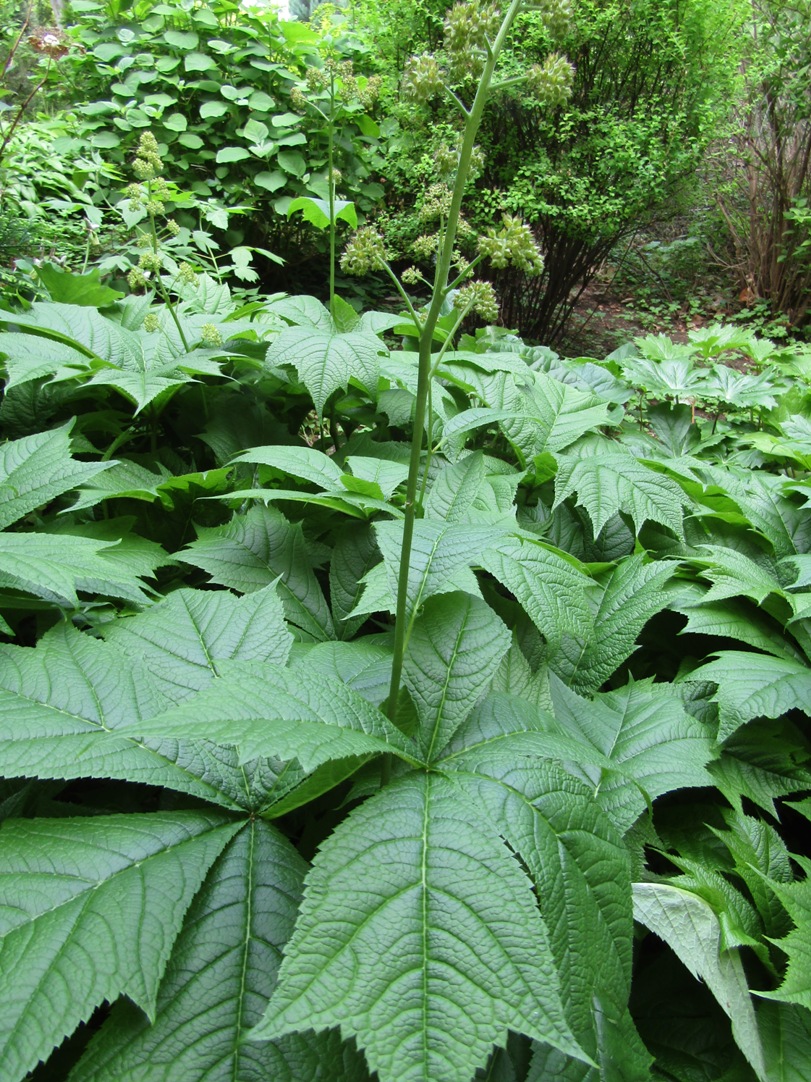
796,897
218,979
183,638
455,646
654,746
128,480
80,327
623,600
455,489
786,1034
68,707
733,574
762,761
142,383
441,557
29,357
690,927
732,619
754,685
580,868
89,911
608,480
254,550
55,566
36,469
620,1055
762,498
760,855
266,710
353,556
419,936
327,361
551,587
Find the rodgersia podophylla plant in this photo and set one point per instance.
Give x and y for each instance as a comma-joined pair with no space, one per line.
334,92
150,193
465,73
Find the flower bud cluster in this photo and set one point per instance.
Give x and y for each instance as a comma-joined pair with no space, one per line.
436,204
556,15
187,274
446,159
468,28
551,82
425,246
365,252
151,323
210,335
411,276
513,244
147,163
478,297
422,79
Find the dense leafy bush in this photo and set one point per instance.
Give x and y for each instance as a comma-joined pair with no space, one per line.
228,101
651,81
761,172
356,701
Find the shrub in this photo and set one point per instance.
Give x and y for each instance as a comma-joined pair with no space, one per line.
650,83
762,171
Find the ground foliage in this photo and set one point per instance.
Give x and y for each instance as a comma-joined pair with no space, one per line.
528,802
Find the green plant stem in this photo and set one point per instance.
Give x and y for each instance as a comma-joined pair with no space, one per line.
437,360
444,263
331,193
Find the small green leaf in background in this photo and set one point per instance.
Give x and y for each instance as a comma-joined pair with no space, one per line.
316,211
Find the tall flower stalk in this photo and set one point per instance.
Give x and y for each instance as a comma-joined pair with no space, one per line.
475,34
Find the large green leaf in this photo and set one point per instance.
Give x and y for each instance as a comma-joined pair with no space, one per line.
796,897
68,707
266,710
455,489
581,871
455,647
734,574
552,588
623,600
608,479
220,975
441,557
89,911
353,556
732,619
326,361
80,327
184,637
762,761
36,469
786,1034
563,413
419,935
620,1054
690,927
754,685
55,566
29,357
254,550
760,855
654,746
